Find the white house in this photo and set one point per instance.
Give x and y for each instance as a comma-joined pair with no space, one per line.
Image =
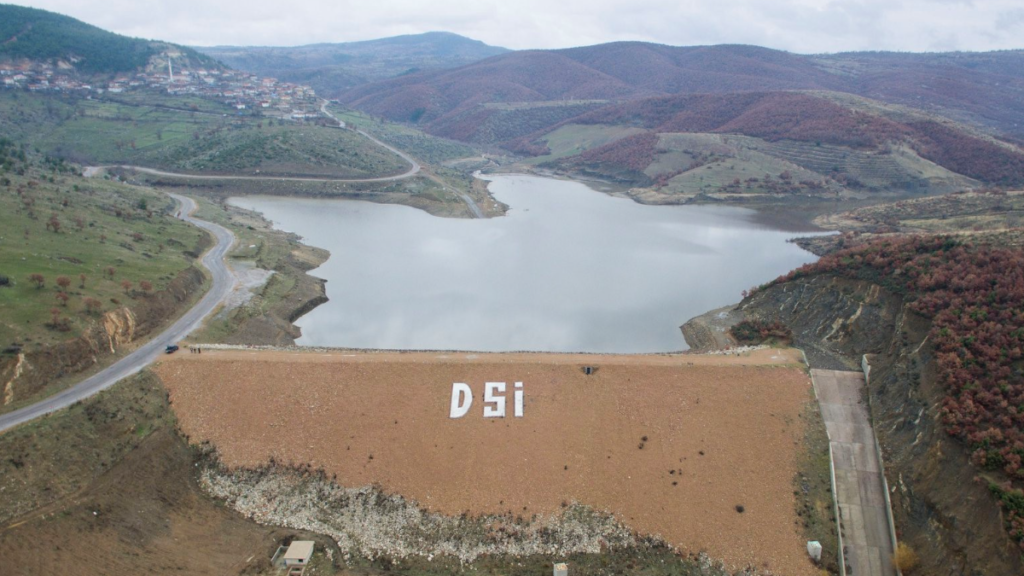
298,553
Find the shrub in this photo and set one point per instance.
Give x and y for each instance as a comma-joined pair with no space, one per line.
758,331
905,559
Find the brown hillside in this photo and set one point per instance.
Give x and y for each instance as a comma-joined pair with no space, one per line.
984,89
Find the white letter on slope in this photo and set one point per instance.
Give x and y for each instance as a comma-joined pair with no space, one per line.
518,395
498,410
462,399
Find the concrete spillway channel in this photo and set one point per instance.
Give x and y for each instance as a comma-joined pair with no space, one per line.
866,534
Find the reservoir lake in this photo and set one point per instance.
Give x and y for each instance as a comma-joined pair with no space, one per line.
567,269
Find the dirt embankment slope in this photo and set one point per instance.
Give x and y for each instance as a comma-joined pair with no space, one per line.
671,444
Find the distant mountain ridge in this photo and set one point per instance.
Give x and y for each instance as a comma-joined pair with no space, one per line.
332,68
985,89
39,35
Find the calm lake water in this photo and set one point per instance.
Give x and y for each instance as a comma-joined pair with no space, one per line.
567,269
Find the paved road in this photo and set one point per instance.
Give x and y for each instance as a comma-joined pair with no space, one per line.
416,167
223,283
860,490
413,170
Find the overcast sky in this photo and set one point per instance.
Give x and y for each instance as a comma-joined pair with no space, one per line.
806,26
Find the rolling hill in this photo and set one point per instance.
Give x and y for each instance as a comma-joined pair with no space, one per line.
781,142
334,68
28,33
983,89
873,121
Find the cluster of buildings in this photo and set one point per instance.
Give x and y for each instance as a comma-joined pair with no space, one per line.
240,90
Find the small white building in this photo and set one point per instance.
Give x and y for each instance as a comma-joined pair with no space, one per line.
298,553
561,569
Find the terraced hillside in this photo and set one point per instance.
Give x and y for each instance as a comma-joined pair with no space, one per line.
674,167
777,144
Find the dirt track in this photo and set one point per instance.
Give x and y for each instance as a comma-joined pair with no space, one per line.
721,432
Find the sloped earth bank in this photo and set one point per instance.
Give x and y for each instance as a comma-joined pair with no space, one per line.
940,510
698,450
107,487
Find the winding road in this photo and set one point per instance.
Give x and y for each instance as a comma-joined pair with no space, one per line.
414,169
222,285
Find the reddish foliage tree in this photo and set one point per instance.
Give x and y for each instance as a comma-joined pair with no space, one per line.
63,282
633,153
92,305
146,286
63,298
126,285
39,279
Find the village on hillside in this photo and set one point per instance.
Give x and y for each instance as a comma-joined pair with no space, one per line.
245,92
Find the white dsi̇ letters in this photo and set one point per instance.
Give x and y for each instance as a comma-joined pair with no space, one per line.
462,399
498,408
494,400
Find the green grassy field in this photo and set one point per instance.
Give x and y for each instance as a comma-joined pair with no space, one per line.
168,133
100,224
575,139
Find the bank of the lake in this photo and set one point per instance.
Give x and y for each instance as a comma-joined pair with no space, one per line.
567,269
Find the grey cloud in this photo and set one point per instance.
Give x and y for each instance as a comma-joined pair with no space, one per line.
805,26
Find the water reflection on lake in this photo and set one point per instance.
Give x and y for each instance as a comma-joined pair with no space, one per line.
568,269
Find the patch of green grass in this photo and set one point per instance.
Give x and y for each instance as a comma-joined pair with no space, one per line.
102,224
49,458
573,139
